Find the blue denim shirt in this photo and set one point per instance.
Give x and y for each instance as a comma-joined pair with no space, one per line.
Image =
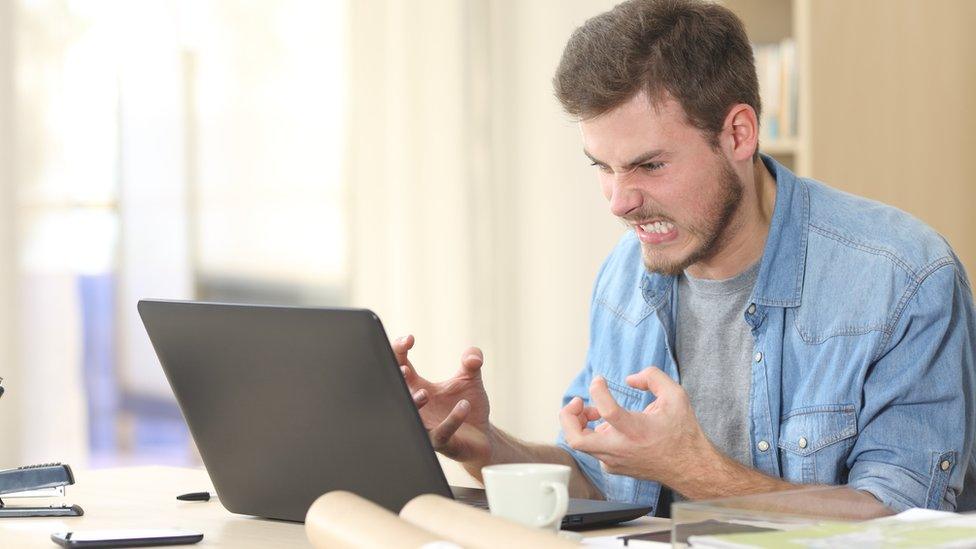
864,337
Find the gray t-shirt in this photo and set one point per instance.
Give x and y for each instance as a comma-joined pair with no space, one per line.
714,353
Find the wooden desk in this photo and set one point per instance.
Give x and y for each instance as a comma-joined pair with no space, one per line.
145,497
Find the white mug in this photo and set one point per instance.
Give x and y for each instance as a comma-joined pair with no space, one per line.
534,494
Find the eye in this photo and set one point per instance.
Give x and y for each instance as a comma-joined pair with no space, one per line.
652,166
603,168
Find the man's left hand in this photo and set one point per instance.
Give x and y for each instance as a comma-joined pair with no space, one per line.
664,442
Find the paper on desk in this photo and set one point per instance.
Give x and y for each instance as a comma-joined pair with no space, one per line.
912,528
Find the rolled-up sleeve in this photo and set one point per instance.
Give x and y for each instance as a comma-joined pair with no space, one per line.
916,424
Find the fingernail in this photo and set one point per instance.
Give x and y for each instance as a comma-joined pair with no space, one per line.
464,404
420,395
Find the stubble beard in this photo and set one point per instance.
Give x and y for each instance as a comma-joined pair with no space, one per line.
711,233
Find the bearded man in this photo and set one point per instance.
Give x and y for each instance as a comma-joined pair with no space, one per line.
754,331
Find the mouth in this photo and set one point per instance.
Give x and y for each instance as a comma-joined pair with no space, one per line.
656,231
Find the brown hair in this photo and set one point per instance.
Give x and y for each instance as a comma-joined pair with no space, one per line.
697,52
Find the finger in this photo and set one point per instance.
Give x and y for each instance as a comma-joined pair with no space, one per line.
578,410
401,346
409,374
442,433
574,406
607,406
574,430
471,361
651,379
592,414
587,413
420,398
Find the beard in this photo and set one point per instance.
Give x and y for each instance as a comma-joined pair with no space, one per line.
710,230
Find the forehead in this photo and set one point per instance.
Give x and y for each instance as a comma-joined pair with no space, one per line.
636,127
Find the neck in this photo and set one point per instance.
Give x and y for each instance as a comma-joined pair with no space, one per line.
742,243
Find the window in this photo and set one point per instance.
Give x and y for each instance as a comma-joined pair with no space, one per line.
175,150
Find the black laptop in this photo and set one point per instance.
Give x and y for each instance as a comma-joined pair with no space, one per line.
287,403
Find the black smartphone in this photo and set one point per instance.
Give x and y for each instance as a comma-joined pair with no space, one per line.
125,538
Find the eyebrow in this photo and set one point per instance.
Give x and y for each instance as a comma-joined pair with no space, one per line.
649,155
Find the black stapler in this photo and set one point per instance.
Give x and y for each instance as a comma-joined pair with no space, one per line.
43,480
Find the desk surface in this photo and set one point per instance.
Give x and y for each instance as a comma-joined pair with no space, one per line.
145,497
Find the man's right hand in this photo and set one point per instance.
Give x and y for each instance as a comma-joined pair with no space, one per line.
455,411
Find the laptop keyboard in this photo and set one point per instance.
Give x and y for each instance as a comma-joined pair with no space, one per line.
473,501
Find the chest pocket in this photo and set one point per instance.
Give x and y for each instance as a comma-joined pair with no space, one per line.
814,443
619,487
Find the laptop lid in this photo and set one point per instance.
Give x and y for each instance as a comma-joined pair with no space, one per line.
287,403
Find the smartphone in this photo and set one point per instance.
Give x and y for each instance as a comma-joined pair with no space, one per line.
125,538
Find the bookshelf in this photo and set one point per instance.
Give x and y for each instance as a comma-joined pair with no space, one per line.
771,25
886,102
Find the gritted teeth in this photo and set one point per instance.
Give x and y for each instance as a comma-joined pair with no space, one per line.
660,227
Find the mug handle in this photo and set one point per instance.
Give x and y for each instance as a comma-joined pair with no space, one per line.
562,504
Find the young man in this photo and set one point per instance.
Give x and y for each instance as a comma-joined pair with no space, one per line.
797,334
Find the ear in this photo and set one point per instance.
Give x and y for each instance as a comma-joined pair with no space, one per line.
740,133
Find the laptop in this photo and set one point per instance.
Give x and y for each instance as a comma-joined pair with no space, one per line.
287,403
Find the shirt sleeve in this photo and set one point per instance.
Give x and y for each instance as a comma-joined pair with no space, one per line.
916,424
580,387
588,464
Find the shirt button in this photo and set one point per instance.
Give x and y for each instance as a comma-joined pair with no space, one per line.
944,465
758,357
802,442
751,309
763,445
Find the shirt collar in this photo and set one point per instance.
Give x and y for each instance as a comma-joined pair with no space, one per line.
780,279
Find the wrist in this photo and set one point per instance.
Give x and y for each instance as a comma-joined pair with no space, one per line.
486,457
703,464
494,439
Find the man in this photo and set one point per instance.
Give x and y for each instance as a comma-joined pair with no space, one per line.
754,331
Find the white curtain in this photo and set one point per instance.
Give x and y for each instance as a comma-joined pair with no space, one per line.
475,218
42,414
415,219
9,404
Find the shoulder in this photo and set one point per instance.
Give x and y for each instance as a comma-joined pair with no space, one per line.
848,228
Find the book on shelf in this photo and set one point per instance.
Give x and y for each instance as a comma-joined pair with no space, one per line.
776,70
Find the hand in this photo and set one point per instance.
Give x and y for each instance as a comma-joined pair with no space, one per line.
662,443
455,411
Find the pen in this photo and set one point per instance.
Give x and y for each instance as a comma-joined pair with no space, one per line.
195,496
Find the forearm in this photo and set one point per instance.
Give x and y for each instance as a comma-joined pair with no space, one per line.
721,476
506,448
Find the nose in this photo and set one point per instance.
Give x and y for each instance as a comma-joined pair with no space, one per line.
624,196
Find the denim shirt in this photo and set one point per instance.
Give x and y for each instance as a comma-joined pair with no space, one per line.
863,369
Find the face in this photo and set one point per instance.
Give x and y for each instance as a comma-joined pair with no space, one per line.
664,179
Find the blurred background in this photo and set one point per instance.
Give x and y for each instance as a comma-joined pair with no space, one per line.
406,156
